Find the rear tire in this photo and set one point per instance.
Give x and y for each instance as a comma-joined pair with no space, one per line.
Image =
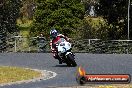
71,60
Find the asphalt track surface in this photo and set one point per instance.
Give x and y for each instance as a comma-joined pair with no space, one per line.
92,63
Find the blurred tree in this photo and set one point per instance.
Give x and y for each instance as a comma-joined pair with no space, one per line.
94,28
131,20
88,4
9,11
27,10
64,15
2,31
115,11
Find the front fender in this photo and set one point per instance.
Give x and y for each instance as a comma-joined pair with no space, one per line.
68,53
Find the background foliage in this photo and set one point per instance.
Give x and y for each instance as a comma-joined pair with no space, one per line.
115,11
9,12
64,15
70,17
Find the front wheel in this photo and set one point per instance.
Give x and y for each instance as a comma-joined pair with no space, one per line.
71,60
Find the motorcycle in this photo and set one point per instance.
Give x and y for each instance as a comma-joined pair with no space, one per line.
64,51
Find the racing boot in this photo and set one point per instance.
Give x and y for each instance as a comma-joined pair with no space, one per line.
59,59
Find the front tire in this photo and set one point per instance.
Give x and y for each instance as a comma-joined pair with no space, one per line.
71,60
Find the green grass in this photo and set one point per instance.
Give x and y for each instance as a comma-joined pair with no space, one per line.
102,86
13,74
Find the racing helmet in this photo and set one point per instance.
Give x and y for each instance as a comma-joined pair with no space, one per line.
53,33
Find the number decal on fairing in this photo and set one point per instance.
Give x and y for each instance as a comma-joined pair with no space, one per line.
64,48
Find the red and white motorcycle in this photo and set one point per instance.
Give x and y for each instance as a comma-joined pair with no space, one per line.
64,51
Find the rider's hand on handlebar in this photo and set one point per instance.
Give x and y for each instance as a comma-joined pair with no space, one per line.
69,39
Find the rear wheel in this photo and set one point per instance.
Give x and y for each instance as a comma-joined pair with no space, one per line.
71,60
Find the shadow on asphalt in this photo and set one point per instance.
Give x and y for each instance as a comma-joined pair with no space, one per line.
60,66
63,66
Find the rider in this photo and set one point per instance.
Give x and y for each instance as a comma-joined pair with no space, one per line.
55,37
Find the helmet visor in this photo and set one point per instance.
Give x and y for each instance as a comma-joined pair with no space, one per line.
54,35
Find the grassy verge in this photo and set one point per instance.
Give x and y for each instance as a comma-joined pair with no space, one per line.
13,74
113,86
103,86
116,86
